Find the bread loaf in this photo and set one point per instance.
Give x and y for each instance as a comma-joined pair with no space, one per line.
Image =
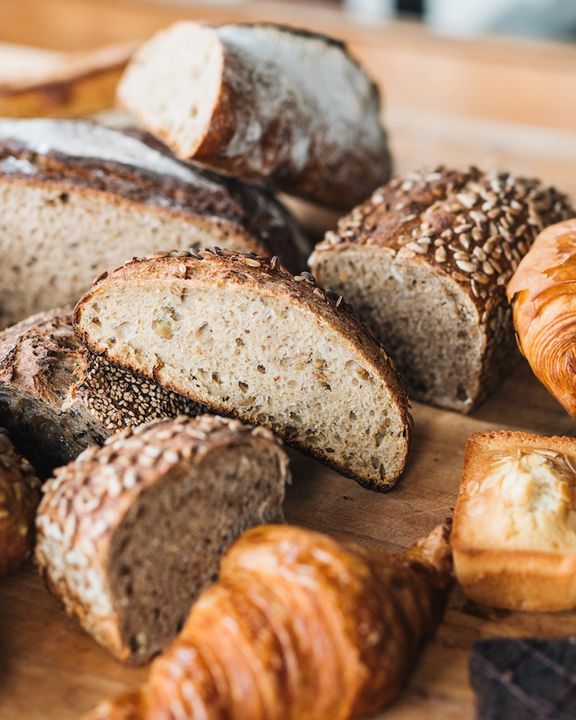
542,293
129,533
426,261
264,102
19,497
514,538
97,196
295,360
298,626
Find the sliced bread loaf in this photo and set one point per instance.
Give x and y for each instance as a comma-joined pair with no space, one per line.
288,107
241,335
129,533
97,197
425,262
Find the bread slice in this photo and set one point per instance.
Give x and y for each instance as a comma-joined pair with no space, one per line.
425,262
19,498
514,537
97,196
129,533
264,102
241,335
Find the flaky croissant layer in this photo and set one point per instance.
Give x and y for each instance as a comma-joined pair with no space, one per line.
299,627
543,296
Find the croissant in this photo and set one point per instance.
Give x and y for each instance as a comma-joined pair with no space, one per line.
298,627
543,296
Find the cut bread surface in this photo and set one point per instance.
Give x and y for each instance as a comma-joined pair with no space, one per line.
244,337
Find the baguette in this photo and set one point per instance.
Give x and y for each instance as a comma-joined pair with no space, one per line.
129,533
425,262
296,361
98,196
264,102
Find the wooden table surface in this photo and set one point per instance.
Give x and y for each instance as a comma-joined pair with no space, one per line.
492,102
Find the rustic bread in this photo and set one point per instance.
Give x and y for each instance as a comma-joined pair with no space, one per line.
19,497
298,626
514,538
129,533
242,336
97,196
264,102
542,294
425,262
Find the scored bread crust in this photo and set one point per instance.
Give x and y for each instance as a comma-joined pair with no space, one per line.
87,500
472,228
518,579
266,278
290,107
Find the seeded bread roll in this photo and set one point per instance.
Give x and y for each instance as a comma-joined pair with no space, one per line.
129,533
296,360
264,102
97,197
425,262
514,538
19,497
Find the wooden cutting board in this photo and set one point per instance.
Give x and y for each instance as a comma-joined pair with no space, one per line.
50,670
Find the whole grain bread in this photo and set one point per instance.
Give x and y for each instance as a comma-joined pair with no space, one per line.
264,102
130,533
19,498
97,196
241,335
425,262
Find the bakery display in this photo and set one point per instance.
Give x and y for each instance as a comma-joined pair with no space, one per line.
514,537
19,497
299,625
296,360
129,533
98,196
542,294
524,678
264,102
425,261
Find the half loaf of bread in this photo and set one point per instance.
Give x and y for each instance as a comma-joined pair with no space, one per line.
129,533
241,335
97,196
425,262
264,102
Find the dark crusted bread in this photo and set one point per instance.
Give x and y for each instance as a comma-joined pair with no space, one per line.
97,196
19,497
241,335
425,262
129,533
264,102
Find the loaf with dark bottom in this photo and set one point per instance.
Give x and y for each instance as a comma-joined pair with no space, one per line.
298,626
425,262
264,102
242,336
97,196
130,533
19,498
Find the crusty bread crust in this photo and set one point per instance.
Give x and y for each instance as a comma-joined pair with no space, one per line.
543,581
266,278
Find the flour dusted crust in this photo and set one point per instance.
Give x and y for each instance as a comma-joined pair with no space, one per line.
514,536
288,107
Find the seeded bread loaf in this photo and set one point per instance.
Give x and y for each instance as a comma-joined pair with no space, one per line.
298,626
264,102
425,262
129,533
514,538
295,359
19,497
97,197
